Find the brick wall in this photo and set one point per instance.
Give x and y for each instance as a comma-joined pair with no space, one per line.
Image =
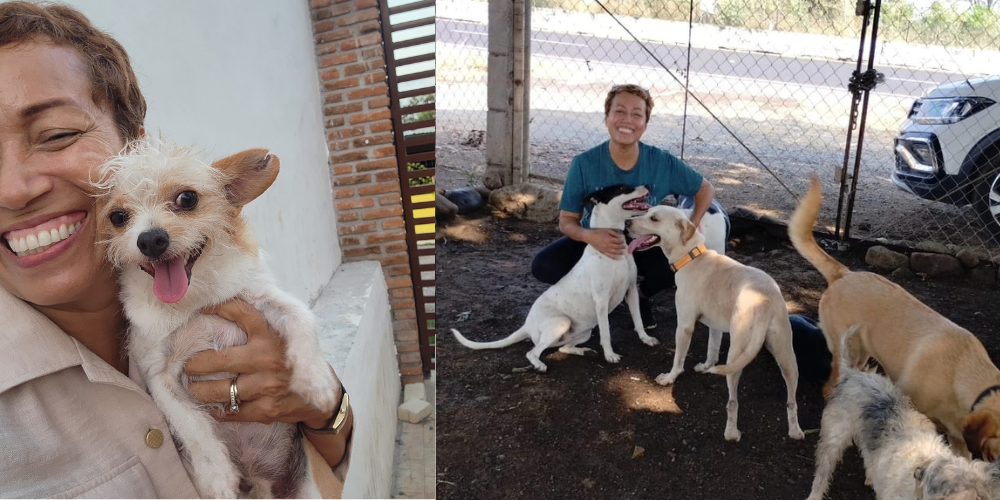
363,158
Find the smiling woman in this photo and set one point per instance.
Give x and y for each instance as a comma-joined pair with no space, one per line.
75,417
624,160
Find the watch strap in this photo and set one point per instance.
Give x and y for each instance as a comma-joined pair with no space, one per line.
337,421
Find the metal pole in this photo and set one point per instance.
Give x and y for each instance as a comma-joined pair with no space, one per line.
869,83
865,9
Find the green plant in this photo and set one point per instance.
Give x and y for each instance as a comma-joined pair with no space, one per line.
417,101
471,178
420,181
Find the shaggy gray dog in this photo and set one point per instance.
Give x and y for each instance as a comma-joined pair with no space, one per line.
905,458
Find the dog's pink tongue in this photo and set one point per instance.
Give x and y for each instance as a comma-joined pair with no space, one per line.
637,242
170,280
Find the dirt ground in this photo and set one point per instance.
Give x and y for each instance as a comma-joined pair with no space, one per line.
590,429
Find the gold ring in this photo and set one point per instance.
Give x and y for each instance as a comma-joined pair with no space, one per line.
234,396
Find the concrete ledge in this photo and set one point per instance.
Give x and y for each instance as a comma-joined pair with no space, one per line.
356,338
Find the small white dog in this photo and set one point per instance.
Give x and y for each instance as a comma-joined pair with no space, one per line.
173,228
566,313
726,296
905,458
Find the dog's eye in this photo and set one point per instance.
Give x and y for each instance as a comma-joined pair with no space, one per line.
118,218
186,200
653,219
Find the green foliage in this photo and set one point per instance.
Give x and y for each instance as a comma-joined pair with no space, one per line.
943,24
417,101
420,181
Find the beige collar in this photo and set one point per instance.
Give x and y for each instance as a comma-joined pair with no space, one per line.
32,346
695,252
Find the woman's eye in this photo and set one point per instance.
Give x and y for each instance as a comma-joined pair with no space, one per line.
61,136
186,200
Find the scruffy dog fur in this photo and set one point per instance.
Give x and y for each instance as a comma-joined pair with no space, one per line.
726,296
905,458
940,366
174,231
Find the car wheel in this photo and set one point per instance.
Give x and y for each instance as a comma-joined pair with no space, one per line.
988,206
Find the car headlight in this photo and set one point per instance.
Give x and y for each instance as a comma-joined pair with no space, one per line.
946,110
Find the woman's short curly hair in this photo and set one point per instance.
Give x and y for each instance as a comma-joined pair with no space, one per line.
629,88
111,76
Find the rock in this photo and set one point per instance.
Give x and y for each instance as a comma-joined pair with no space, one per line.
532,202
933,246
935,265
638,452
468,200
444,209
413,411
483,191
967,258
415,390
882,258
902,274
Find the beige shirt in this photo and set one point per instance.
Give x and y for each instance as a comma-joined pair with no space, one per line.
73,426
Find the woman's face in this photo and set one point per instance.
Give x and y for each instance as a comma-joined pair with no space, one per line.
52,138
627,119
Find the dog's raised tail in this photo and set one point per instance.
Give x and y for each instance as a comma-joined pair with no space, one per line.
800,231
519,335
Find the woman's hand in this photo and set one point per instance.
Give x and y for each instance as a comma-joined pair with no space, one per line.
263,383
607,241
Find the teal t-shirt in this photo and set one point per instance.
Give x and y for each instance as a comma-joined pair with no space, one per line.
663,173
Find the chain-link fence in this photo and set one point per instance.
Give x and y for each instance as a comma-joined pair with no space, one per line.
767,101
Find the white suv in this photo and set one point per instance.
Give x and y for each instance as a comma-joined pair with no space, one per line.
948,149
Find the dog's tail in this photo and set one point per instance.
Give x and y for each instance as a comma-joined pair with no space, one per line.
513,338
800,232
757,330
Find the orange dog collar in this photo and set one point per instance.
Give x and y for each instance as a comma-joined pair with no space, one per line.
687,258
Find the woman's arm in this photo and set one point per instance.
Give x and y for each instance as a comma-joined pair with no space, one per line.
264,382
606,241
702,200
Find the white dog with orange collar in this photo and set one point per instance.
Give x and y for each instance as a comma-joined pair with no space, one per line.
725,296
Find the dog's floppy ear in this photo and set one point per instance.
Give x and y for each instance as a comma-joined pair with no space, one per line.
980,432
687,230
249,173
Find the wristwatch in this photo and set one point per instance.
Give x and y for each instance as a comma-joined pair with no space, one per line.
336,422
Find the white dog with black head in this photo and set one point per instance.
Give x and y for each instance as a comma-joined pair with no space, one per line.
566,313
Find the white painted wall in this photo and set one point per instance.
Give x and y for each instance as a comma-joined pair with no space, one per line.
230,75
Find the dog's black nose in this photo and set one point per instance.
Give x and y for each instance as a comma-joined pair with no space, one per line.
154,242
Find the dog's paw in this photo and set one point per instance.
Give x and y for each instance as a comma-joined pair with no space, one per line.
648,340
733,435
315,384
576,351
612,356
215,476
796,434
667,378
703,367
537,363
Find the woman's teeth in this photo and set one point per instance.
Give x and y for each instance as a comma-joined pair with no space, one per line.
35,243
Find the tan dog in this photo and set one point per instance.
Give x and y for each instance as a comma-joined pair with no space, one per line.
726,296
942,367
